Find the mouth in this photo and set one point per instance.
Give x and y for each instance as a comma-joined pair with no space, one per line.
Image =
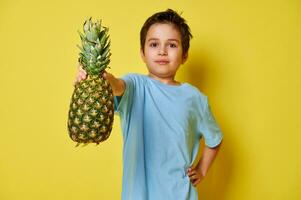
162,62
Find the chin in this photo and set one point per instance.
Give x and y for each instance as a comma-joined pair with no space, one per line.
161,74
160,71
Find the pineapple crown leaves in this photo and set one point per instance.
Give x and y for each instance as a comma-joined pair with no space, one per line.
95,49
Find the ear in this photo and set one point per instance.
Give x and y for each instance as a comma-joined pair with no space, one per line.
184,58
142,55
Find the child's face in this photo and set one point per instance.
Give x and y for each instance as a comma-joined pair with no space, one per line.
163,50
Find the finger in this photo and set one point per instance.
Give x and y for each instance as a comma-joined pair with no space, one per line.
82,76
194,177
196,182
190,169
79,79
191,173
104,74
75,82
107,76
81,69
82,72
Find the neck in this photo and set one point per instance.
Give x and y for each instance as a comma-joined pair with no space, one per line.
167,80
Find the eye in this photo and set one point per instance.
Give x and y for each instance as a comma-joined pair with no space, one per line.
153,44
172,45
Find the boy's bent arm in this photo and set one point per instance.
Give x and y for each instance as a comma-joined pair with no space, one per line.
117,84
207,159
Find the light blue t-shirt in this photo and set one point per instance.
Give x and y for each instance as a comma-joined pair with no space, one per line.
162,126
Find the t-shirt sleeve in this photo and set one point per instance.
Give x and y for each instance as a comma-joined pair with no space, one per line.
209,127
123,104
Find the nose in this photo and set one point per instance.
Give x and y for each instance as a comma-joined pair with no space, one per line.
162,51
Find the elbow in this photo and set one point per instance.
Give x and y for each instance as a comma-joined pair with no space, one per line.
216,146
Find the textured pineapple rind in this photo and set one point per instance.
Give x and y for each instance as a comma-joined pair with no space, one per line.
91,112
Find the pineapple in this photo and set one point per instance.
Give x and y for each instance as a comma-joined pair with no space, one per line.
91,111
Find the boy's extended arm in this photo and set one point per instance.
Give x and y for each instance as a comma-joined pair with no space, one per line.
207,159
117,84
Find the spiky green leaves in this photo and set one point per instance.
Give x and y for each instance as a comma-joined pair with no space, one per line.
95,50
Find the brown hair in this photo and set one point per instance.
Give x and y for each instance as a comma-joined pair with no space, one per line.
172,17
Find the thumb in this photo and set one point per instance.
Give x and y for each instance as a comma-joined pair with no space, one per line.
106,75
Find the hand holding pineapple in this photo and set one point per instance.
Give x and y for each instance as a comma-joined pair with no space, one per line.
81,75
117,84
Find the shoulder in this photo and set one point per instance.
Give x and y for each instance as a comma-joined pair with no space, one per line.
134,80
198,98
196,92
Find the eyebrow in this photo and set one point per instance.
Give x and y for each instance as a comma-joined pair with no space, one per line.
167,40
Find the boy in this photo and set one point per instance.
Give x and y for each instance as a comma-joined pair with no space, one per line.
162,119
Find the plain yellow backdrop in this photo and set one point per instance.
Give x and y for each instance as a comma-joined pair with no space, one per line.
245,55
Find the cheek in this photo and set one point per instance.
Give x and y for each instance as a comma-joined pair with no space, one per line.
176,56
149,54
150,50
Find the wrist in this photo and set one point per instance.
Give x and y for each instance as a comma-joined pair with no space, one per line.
201,171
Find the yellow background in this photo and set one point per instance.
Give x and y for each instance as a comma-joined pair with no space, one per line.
245,55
